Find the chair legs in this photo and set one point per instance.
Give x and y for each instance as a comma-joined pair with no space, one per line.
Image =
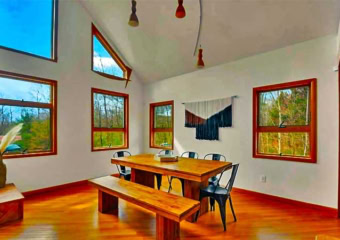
212,204
232,209
182,182
221,203
159,180
127,177
170,184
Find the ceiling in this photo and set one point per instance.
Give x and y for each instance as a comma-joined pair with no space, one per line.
163,45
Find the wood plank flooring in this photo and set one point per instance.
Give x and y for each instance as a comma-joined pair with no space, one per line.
72,214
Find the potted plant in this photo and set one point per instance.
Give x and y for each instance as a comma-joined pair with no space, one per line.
5,142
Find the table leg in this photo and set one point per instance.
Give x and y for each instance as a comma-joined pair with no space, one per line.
166,229
192,190
107,203
143,177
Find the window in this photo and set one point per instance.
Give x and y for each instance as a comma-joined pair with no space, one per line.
161,125
110,120
31,101
104,59
284,121
29,27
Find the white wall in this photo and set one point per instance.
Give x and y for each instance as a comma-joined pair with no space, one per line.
339,41
313,183
74,161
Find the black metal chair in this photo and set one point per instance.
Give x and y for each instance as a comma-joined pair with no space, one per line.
185,155
221,195
215,157
159,176
122,170
166,152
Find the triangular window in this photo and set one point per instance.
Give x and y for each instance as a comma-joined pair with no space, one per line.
104,59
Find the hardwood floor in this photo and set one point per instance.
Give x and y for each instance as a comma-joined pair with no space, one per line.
72,214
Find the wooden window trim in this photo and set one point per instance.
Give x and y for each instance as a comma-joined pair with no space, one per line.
153,130
126,120
311,128
127,71
54,38
52,106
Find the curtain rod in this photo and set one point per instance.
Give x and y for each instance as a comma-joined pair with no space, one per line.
235,96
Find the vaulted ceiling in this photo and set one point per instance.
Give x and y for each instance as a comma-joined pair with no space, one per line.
163,45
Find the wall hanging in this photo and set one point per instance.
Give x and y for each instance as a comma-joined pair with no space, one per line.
208,116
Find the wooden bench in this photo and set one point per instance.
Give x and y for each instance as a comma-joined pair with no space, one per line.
11,204
170,209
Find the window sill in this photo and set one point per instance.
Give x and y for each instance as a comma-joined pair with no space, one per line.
109,149
285,158
41,154
54,59
110,76
164,148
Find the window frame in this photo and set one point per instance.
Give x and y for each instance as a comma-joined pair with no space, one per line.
126,120
127,71
54,38
153,130
311,128
21,103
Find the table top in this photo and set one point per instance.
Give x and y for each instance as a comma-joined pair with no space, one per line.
197,170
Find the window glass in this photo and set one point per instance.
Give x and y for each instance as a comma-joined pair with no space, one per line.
27,26
284,107
161,125
108,140
284,126
284,144
29,102
163,118
24,90
109,120
108,111
103,61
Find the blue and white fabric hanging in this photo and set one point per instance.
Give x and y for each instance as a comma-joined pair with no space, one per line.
208,116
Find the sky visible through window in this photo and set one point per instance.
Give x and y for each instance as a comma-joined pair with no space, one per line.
23,91
103,61
26,25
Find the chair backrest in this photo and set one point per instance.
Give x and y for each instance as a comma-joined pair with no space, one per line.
190,154
121,169
166,152
215,157
231,181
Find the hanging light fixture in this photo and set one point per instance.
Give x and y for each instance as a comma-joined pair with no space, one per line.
200,62
180,12
133,21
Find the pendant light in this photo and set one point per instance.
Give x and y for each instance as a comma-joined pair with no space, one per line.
180,12
133,21
200,62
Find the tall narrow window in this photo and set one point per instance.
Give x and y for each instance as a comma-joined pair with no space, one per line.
284,123
105,60
29,27
31,101
161,125
110,118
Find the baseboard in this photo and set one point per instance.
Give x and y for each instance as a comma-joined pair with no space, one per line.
325,210
54,188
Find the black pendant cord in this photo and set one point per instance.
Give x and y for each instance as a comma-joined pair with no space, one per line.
199,28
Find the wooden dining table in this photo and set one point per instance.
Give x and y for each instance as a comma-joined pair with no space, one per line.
194,172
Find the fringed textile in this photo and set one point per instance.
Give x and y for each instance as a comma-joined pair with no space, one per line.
208,116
